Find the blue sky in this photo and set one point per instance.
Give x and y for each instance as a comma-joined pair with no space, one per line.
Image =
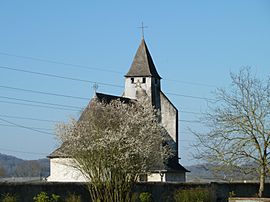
194,44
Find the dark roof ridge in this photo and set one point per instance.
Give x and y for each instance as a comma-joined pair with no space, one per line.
107,98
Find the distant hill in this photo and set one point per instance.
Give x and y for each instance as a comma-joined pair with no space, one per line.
210,173
11,166
202,173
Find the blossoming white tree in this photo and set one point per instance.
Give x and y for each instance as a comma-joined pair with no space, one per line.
113,144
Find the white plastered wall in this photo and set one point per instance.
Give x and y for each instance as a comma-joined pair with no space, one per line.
168,116
63,170
167,177
154,177
130,88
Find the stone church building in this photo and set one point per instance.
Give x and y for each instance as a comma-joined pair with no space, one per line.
142,79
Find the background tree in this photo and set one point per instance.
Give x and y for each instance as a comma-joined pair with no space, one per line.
239,126
112,144
2,171
28,169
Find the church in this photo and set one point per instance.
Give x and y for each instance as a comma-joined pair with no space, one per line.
142,79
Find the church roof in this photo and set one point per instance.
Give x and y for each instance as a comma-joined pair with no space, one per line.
171,165
174,165
100,97
143,65
106,98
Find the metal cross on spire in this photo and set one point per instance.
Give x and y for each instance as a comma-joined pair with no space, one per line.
95,87
143,27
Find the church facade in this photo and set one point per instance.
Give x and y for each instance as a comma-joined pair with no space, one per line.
142,79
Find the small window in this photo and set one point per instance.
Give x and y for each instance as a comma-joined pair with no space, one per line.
132,80
156,81
143,80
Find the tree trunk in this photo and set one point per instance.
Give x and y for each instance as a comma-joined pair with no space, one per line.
262,181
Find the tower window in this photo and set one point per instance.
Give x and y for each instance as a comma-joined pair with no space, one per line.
132,80
143,80
156,81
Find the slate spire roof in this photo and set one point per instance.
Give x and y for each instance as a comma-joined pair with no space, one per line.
143,65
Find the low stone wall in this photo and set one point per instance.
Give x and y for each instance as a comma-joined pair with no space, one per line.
26,191
222,190
249,200
161,192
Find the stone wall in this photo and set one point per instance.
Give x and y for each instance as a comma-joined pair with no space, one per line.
161,192
26,191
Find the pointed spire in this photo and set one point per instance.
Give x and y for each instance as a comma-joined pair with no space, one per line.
143,65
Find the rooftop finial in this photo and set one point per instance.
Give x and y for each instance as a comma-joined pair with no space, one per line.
95,87
143,27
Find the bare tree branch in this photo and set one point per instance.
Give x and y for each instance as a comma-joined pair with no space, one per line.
239,126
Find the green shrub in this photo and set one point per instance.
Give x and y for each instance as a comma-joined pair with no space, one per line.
145,197
193,195
135,197
232,194
9,198
55,198
73,198
43,197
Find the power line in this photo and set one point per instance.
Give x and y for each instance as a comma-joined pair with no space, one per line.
191,112
54,121
189,141
53,104
38,102
189,121
58,76
84,98
34,105
42,92
60,63
89,81
94,68
191,96
13,126
25,152
192,83
28,118
21,126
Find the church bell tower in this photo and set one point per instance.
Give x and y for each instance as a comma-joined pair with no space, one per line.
142,78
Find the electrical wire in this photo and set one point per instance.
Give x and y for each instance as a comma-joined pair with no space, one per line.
42,92
28,118
41,106
25,152
58,76
38,102
84,98
60,63
189,121
46,129
21,126
194,97
97,69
